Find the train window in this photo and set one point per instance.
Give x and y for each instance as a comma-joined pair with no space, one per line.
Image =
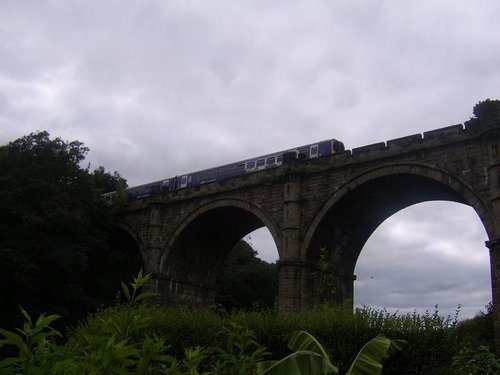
184,181
337,146
279,159
260,163
204,176
271,160
313,151
251,165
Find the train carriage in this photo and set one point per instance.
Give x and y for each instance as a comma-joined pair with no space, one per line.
311,151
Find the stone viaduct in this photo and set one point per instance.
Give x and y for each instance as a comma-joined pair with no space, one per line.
320,213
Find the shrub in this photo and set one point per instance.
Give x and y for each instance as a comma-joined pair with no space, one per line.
136,338
477,361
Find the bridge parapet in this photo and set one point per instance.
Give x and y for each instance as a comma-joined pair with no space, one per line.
446,134
398,143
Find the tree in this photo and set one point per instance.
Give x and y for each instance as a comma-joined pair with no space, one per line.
486,115
107,182
487,110
245,281
52,220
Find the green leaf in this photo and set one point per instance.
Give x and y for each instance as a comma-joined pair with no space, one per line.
44,321
263,366
368,360
145,295
125,291
26,316
10,361
302,340
12,338
309,357
300,362
140,280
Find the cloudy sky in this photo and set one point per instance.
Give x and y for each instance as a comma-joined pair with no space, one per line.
160,88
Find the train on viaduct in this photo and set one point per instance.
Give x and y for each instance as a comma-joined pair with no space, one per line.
320,212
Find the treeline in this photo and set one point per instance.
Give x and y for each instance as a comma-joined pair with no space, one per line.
53,229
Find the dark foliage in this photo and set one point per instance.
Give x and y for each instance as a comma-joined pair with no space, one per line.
487,109
107,182
107,270
53,220
479,331
245,281
486,114
432,340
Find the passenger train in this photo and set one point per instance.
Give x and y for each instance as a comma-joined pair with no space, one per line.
223,172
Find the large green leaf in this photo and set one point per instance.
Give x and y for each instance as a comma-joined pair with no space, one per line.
309,357
302,340
368,361
302,362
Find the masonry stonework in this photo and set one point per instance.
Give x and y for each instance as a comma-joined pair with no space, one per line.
320,213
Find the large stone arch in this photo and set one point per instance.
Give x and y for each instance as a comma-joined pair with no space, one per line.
197,247
353,212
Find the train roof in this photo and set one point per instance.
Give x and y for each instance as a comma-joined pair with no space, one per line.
259,157
243,161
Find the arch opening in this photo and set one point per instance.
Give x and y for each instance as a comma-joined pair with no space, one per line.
262,241
249,278
356,212
196,254
428,254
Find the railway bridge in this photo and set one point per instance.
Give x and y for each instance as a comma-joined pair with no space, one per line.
320,212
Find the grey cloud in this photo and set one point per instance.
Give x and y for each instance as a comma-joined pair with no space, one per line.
429,254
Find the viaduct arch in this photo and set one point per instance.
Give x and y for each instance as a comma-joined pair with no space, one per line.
320,213
351,214
197,247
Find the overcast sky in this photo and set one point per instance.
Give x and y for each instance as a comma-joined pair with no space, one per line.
160,88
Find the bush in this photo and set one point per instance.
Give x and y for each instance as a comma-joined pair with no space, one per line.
136,338
478,331
477,361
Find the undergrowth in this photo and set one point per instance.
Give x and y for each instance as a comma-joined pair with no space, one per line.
133,338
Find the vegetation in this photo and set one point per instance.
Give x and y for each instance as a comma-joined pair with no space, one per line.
246,282
53,229
479,331
107,182
486,114
124,344
133,338
310,357
488,110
